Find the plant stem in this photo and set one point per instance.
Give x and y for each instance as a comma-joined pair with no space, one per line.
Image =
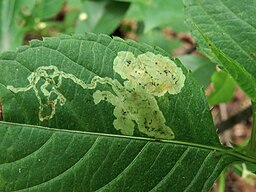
251,147
221,187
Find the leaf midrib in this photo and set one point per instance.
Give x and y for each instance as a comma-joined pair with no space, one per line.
227,151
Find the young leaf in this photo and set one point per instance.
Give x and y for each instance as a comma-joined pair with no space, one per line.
224,87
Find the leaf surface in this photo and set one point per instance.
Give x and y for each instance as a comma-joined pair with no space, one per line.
81,135
228,26
85,57
42,159
213,26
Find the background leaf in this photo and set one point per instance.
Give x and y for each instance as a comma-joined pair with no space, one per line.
12,22
19,17
171,14
100,16
201,68
228,26
243,78
224,87
45,9
213,30
212,25
158,38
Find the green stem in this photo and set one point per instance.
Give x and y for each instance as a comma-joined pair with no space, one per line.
251,147
221,187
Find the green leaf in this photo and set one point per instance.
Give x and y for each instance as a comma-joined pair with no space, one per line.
229,45
201,68
42,159
85,57
45,9
19,17
224,87
243,78
159,13
219,21
158,38
82,134
211,26
246,171
12,22
100,16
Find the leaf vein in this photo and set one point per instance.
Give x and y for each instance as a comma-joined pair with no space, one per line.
184,154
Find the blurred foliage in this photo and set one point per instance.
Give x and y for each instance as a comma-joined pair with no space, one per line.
100,17
201,68
246,171
20,17
158,14
158,38
224,87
